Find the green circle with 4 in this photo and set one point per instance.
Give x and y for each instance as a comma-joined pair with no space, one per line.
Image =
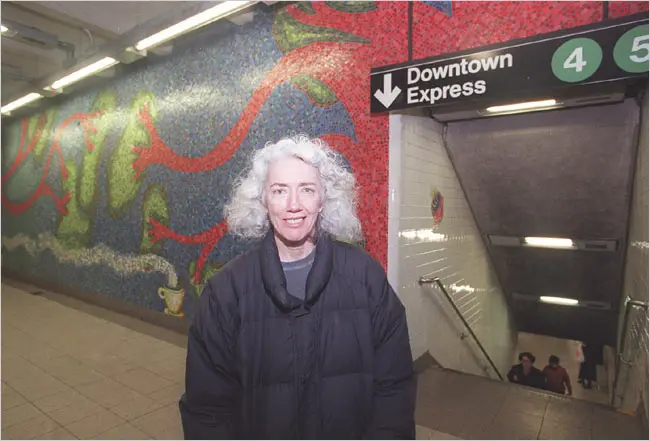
632,50
576,60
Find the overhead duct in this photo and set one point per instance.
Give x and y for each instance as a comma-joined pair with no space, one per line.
30,35
15,73
38,38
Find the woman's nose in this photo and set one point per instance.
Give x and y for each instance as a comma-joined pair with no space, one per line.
293,202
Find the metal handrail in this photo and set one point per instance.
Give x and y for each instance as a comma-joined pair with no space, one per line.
629,304
436,280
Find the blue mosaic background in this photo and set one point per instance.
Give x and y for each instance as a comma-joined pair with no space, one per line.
443,6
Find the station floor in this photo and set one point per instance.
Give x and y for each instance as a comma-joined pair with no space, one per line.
76,371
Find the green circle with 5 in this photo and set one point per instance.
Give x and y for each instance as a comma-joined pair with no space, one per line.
576,60
632,50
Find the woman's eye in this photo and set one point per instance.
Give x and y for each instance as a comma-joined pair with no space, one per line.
308,190
277,191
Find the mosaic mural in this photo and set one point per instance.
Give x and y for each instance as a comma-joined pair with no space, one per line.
120,191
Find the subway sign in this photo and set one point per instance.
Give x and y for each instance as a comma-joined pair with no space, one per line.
612,50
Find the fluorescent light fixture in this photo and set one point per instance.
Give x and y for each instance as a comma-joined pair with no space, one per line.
21,102
549,242
196,21
98,66
4,28
558,300
530,105
423,235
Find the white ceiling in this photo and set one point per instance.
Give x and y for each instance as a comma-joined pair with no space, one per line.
117,17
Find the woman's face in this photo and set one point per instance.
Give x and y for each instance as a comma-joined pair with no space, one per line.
293,199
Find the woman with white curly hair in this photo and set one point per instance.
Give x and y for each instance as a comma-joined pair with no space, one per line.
302,337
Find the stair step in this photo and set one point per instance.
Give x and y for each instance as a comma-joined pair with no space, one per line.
447,398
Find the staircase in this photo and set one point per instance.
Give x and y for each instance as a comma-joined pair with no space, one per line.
456,405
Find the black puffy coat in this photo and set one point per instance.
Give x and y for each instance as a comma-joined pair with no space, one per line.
261,364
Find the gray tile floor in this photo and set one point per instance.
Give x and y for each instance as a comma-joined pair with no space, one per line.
70,374
72,370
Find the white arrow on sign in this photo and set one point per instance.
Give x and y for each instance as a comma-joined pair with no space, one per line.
388,95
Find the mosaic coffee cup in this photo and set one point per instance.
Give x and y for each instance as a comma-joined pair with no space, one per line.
173,299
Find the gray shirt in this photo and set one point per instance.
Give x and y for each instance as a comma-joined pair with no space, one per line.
296,273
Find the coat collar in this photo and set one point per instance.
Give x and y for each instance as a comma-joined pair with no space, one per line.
276,284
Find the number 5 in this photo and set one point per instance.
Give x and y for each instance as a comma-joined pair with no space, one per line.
641,43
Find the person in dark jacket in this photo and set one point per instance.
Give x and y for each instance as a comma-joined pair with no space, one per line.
301,337
588,371
525,373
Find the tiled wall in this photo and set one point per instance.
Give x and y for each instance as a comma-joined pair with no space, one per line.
634,383
432,233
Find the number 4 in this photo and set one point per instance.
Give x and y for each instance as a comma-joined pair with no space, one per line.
574,61
641,43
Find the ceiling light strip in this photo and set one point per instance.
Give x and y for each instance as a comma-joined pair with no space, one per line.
91,69
530,105
31,97
559,300
549,242
208,16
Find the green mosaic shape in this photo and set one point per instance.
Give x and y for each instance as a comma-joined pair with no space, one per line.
47,133
27,176
155,206
122,185
352,7
319,92
32,123
291,34
89,182
305,7
74,228
209,270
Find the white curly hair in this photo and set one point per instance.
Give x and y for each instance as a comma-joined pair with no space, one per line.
246,212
